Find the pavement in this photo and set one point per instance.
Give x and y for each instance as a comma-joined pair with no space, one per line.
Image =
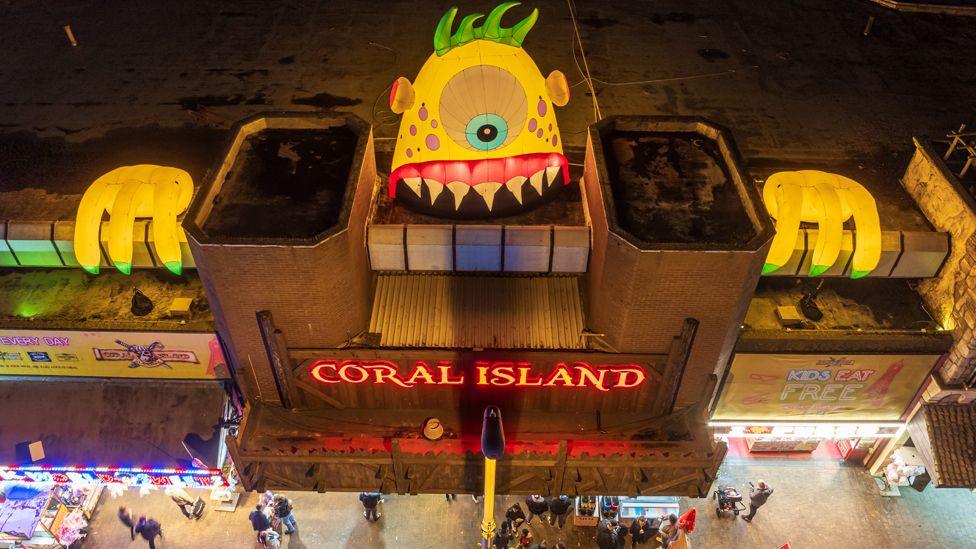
815,504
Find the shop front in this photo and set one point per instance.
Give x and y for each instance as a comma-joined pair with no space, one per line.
840,406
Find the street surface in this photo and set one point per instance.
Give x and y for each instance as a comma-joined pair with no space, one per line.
814,505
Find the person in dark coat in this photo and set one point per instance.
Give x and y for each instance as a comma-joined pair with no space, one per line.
370,501
643,530
283,510
757,498
559,510
604,536
149,529
259,520
503,536
619,532
126,517
537,505
515,515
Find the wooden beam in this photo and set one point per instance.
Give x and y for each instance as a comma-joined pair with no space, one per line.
313,392
681,346
422,482
673,482
274,345
399,477
560,467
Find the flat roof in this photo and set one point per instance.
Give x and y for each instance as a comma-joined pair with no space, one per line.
70,298
872,304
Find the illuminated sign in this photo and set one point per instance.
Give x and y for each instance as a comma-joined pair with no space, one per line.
127,476
828,200
488,374
159,192
811,387
160,355
479,136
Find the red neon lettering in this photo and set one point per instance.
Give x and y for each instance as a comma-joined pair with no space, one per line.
384,371
591,377
421,370
524,368
560,376
362,374
628,376
502,376
481,367
445,367
318,372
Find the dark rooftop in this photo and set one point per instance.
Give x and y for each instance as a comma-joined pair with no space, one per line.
285,183
674,188
73,299
874,304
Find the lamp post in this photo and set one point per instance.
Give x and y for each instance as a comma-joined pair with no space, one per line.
493,448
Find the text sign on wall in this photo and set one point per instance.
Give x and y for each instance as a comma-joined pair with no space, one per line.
812,387
488,374
158,355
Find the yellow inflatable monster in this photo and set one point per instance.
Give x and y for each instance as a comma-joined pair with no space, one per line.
478,136
828,200
126,193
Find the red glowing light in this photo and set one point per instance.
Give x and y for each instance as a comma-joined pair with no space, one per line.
578,375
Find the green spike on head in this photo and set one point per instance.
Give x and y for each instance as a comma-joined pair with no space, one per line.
769,267
859,274
492,30
90,269
817,270
175,267
124,266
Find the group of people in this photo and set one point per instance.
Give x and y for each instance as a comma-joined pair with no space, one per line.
271,513
670,531
147,528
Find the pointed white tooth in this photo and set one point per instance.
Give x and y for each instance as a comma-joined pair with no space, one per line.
414,184
515,185
551,174
487,191
536,181
434,188
460,190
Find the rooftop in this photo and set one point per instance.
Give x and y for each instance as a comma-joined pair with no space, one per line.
70,298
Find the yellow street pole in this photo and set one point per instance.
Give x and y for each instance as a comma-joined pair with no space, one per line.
488,522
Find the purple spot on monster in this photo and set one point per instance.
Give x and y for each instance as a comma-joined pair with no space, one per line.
555,141
409,153
422,113
539,133
432,142
413,129
433,123
532,125
542,108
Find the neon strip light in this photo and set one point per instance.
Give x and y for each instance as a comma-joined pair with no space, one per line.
878,425
128,476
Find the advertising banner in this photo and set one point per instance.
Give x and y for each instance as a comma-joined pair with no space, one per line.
155,355
775,387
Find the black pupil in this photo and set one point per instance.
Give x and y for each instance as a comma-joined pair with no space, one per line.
487,133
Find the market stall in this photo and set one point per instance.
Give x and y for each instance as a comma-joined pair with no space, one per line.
591,509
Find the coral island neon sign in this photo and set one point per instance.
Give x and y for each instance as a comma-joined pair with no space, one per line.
579,375
127,476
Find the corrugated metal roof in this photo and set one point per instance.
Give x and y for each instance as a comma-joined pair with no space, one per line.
444,311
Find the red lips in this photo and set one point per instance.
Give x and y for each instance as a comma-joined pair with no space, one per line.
474,172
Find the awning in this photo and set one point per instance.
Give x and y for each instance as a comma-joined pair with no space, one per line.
107,422
945,437
442,311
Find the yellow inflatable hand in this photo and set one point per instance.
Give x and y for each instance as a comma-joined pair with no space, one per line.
145,190
828,200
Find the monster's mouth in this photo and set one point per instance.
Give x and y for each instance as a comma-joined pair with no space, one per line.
490,187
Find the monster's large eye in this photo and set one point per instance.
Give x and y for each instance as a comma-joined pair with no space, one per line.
483,107
486,131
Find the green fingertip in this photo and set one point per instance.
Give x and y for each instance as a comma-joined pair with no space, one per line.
817,270
125,267
175,267
769,267
859,274
91,269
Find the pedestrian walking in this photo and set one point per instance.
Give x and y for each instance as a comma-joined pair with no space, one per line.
125,516
370,501
559,510
516,515
503,536
537,506
757,498
149,529
259,520
686,525
643,530
283,510
619,532
270,539
604,535
525,540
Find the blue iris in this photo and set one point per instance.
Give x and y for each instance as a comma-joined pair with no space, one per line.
486,131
